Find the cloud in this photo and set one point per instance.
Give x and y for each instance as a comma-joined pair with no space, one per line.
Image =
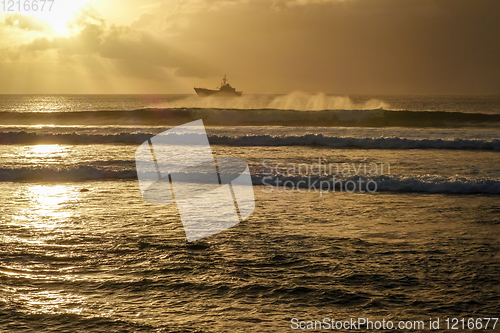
280,4
131,48
357,46
23,22
335,46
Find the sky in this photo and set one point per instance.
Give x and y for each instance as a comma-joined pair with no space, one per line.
277,46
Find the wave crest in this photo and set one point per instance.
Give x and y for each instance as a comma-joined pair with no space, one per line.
257,117
298,101
385,183
260,140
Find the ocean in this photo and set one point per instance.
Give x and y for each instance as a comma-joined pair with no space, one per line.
376,207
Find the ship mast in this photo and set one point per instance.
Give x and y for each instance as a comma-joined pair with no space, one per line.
224,80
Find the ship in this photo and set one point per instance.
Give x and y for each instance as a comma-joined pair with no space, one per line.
225,90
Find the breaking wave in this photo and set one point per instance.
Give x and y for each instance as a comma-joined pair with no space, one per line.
259,140
257,117
79,173
385,183
363,143
299,101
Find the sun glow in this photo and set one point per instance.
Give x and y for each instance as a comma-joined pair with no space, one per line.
59,14
47,206
44,154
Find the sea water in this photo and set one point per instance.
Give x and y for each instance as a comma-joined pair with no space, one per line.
81,251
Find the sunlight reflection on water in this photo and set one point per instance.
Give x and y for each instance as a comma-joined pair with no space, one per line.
47,154
43,214
46,205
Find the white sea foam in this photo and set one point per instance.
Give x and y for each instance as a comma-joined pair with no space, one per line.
299,101
262,140
391,183
385,183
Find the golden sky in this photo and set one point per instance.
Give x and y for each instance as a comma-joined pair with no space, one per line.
275,46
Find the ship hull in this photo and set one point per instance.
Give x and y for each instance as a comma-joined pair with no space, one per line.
202,92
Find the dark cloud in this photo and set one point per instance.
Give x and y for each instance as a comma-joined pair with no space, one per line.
357,46
334,46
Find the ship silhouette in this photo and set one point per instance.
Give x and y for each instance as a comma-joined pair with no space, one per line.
225,90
